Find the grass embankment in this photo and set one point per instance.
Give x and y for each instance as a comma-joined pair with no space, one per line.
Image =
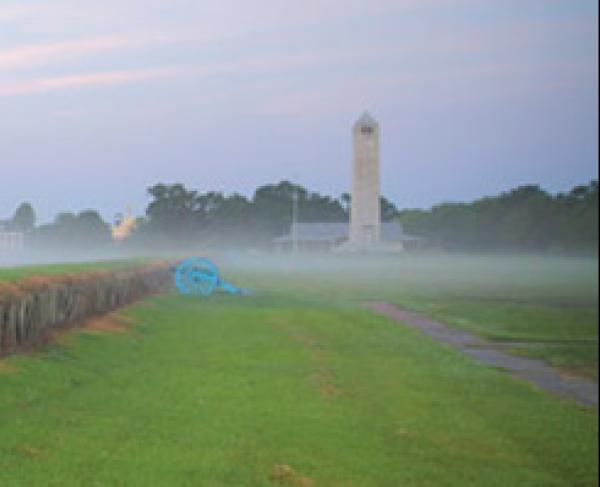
282,388
548,306
11,274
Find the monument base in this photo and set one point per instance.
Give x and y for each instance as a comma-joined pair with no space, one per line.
378,248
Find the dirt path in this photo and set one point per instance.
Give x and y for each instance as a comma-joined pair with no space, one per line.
530,370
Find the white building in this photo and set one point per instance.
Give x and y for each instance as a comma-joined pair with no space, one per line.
10,241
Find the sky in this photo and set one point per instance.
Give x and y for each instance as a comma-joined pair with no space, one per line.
101,99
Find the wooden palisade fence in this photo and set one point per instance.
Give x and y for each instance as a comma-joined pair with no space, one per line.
32,308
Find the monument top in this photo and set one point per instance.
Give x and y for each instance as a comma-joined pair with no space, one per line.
366,120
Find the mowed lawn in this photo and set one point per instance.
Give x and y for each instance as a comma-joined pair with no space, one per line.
296,385
542,307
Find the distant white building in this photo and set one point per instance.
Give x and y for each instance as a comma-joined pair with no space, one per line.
336,236
10,241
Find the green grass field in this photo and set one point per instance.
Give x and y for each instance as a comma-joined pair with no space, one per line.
219,392
548,305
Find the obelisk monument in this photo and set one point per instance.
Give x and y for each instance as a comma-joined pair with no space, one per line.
365,218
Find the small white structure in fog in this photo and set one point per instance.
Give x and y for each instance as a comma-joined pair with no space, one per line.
10,241
124,225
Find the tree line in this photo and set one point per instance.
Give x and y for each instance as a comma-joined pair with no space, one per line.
83,229
524,219
181,216
176,212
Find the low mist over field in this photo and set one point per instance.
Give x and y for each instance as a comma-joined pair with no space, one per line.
180,220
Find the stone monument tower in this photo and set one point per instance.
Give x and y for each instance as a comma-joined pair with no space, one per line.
365,219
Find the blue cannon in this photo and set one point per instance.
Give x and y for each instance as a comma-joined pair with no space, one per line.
200,277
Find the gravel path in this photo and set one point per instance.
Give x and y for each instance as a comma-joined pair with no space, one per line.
535,371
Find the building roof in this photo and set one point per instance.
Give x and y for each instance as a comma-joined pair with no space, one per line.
336,232
316,232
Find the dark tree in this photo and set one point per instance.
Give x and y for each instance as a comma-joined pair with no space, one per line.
70,231
173,212
389,212
24,218
526,218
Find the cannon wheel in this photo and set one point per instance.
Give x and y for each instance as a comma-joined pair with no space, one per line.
197,276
